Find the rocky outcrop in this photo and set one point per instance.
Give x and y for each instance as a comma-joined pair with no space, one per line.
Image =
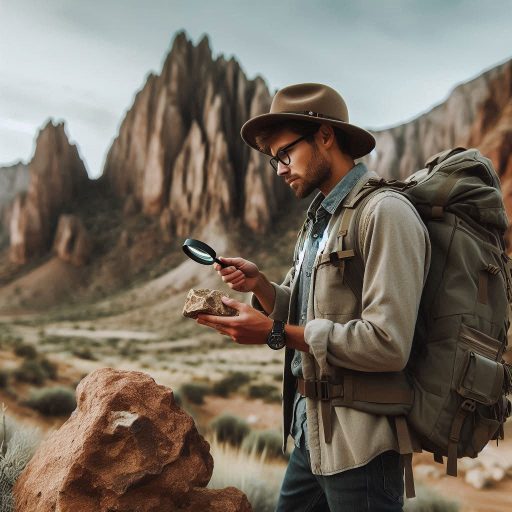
14,180
127,446
476,114
179,151
72,242
56,174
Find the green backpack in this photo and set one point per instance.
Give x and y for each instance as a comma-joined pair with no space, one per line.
456,371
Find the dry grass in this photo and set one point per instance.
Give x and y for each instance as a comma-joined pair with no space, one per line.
259,478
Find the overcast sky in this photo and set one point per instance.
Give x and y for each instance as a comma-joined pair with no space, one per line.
83,61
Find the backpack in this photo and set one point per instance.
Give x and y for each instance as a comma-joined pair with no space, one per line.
456,371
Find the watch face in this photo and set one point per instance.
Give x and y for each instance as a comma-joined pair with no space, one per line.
276,341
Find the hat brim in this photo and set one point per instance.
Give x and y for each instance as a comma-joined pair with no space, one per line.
359,142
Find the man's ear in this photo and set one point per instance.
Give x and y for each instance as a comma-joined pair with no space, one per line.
326,135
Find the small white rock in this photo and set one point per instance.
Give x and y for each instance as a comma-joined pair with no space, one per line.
477,478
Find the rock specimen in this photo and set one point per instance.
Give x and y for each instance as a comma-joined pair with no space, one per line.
72,242
126,447
206,301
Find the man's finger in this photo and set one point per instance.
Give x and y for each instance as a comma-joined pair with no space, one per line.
225,321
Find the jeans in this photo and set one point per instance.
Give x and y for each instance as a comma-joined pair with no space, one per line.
377,486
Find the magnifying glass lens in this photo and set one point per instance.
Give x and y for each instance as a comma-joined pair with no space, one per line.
201,254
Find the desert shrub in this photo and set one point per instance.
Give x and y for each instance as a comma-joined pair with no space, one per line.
84,353
427,500
18,444
260,390
177,397
230,383
229,429
268,392
26,351
268,441
53,401
35,371
4,378
30,371
49,367
194,392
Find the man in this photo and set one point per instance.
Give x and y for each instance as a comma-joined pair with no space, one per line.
333,314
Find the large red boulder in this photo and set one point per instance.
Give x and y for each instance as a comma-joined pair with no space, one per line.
126,447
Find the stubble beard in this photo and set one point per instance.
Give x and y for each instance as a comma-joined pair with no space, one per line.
317,172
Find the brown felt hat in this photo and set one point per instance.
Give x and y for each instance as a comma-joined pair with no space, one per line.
317,103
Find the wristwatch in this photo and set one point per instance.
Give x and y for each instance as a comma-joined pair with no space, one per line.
277,337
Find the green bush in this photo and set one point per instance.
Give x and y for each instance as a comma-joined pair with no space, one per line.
229,429
427,500
194,393
49,367
26,351
35,371
268,392
177,397
30,371
269,441
230,383
4,378
55,401
84,353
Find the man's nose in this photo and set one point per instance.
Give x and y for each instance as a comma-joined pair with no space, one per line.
282,168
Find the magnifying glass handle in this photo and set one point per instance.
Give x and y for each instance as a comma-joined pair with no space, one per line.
223,265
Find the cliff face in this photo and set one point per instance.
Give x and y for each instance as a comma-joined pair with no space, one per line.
179,153
477,114
14,179
56,174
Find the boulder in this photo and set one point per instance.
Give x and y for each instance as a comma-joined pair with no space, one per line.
206,301
126,447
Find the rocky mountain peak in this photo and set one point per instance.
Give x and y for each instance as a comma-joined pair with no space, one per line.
179,153
56,174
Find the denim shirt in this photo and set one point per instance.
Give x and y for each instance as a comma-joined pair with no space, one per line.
319,214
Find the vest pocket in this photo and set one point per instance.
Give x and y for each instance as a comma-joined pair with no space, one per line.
333,298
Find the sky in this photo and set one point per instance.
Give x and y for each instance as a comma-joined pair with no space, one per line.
82,62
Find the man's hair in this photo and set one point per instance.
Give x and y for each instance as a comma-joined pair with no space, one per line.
300,128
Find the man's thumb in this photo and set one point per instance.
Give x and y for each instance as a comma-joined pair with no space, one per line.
230,302
229,261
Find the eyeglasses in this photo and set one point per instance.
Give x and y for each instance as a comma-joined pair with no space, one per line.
283,156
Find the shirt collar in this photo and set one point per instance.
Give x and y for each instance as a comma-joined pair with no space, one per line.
340,191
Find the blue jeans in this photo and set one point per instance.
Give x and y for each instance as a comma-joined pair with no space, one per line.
377,486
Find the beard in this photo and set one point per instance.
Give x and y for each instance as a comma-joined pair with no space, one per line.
317,172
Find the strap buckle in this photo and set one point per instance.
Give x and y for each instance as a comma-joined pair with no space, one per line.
469,405
323,392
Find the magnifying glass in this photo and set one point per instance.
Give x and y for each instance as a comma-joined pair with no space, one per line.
201,252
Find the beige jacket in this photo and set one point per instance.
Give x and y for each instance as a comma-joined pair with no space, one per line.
372,334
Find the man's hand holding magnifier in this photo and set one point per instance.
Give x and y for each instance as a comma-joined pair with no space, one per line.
250,327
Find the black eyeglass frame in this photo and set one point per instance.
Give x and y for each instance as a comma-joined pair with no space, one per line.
282,155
